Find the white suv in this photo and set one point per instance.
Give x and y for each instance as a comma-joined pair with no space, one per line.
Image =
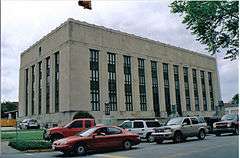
141,127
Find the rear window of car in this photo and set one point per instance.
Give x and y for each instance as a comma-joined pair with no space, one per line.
153,124
201,120
76,124
112,130
138,125
126,125
194,120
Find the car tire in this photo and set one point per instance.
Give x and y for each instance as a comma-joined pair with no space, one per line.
159,141
177,137
150,138
218,134
80,149
127,145
236,131
201,134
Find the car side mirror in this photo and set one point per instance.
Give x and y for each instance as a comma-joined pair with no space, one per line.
184,124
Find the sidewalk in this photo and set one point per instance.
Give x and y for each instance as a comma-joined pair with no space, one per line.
5,149
8,129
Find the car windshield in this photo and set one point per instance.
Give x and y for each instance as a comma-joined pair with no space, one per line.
174,121
228,117
33,121
87,132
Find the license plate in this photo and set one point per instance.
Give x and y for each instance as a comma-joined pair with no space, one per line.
53,147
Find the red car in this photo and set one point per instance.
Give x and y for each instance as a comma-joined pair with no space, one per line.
70,129
97,138
229,124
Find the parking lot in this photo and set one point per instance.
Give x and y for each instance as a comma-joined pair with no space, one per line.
225,146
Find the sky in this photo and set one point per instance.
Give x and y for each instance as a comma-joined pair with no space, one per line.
25,22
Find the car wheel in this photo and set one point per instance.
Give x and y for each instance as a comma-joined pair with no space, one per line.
218,134
150,138
80,149
159,141
177,137
236,131
127,145
201,134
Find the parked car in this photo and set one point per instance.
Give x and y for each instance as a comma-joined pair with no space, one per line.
97,138
70,129
141,127
29,124
210,121
179,128
229,124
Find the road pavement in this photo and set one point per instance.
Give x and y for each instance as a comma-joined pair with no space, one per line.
225,146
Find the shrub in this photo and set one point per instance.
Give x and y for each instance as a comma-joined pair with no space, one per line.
30,144
82,114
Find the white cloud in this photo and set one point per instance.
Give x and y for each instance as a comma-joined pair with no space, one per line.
25,22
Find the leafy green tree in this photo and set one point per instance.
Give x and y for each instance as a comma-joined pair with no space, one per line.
235,99
215,23
82,114
7,106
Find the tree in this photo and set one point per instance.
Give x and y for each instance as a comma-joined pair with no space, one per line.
215,23
82,114
235,99
8,106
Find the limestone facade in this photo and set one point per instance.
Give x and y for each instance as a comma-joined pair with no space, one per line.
69,89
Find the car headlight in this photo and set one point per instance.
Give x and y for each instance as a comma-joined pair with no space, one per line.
168,130
229,125
62,142
214,125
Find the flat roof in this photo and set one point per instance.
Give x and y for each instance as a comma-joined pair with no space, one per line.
117,32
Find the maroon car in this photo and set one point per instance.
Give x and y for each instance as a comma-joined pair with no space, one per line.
97,138
228,124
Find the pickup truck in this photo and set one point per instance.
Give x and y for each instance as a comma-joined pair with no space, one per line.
70,129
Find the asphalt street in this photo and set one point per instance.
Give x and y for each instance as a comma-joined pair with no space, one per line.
225,146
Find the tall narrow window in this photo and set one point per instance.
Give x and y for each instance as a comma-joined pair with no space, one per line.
26,92
142,85
195,89
112,86
186,85
94,80
205,108
47,85
177,89
166,88
211,90
155,88
56,55
128,83
33,89
40,87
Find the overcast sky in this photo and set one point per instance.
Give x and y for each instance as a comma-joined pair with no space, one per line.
25,22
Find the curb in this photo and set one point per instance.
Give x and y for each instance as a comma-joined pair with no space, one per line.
38,150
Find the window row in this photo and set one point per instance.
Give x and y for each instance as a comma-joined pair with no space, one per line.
38,68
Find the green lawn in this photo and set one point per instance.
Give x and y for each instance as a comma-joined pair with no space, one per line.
26,139
22,135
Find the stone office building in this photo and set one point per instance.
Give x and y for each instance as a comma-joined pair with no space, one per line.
81,67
